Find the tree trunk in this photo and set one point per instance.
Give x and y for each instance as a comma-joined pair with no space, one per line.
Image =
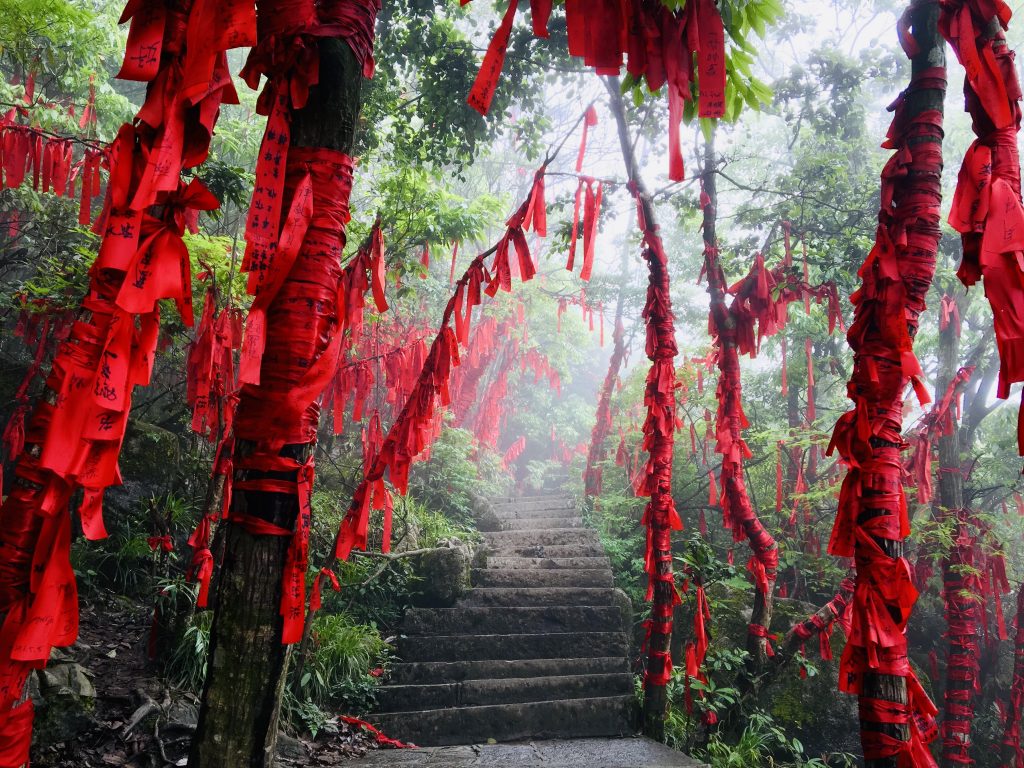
870,524
603,419
238,721
730,394
660,515
961,587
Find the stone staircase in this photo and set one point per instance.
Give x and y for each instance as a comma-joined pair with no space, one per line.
536,650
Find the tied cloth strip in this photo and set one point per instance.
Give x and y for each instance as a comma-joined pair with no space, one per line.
141,260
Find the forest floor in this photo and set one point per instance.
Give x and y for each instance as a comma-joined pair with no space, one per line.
103,703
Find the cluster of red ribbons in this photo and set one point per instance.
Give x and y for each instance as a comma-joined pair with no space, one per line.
589,312
482,350
417,424
513,452
210,368
50,161
697,649
603,422
655,479
759,309
658,46
491,415
303,300
970,576
940,421
823,622
824,293
590,200
41,326
1015,705
142,260
385,356
987,207
872,506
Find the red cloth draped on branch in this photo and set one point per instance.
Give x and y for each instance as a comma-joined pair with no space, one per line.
657,46
1015,703
987,207
655,477
417,423
872,507
759,309
141,260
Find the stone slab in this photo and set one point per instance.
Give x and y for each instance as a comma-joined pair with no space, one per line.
572,753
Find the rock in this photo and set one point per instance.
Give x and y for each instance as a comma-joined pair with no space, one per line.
65,700
484,515
290,750
148,464
443,574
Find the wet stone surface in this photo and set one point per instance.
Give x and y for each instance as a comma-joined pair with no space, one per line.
570,753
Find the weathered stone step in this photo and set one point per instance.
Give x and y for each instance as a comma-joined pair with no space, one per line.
513,690
583,563
550,645
489,620
550,577
537,596
515,513
560,497
533,505
422,672
568,718
551,537
596,752
541,523
555,551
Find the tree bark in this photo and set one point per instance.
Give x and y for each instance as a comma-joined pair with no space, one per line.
238,721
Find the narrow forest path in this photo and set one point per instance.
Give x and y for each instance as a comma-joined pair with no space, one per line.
536,650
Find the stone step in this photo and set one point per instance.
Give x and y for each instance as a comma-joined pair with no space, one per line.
536,596
551,537
556,496
422,672
550,645
520,621
543,563
541,523
596,752
515,513
558,551
564,719
522,577
533,505
512,690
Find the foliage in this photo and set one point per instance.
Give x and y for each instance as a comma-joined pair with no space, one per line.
186,663
337,672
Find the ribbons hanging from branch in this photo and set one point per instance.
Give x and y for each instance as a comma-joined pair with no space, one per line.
872,506
141,260
987,208
659,46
